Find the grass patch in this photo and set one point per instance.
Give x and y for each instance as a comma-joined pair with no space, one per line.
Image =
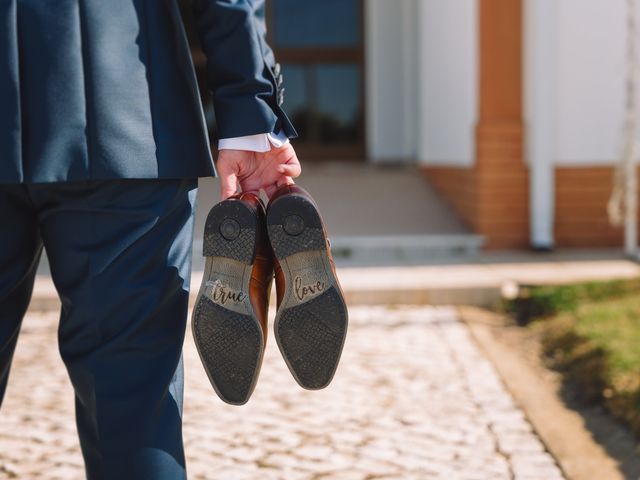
534,302
591,333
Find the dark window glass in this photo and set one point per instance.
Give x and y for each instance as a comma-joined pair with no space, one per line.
339,91
316,23
324,101
296,96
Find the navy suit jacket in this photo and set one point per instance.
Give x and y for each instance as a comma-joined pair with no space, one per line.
106,89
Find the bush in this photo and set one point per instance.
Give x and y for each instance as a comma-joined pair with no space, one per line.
534,302
591,333
583,363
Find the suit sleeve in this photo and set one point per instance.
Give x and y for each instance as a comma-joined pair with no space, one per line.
241,70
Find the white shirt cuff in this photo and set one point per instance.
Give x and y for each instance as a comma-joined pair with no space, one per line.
254,143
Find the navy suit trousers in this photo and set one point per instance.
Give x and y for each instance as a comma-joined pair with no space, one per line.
120,257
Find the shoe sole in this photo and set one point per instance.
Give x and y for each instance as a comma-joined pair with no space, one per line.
311,322
226,331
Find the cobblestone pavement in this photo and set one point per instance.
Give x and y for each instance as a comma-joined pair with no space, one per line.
412,399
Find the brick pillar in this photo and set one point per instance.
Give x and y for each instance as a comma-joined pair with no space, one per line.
500,175
492,197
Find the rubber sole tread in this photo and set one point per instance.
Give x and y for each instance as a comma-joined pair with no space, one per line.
311,336
285,245
243,247
310,333
230,345
240,249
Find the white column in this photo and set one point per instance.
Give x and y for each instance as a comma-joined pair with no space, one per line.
447,73
540,44
390,31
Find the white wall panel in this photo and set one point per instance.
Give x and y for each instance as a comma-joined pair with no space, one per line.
390,78
448,81
590,81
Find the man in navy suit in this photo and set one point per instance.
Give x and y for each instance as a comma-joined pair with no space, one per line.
102,139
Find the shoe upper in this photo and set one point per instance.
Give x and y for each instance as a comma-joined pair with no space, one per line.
262,271
291,189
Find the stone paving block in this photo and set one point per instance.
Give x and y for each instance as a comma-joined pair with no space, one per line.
518,444
413,398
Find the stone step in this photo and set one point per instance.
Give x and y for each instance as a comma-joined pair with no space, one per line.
375,250
403,249
482,281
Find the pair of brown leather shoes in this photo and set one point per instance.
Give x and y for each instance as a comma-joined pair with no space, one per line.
243,245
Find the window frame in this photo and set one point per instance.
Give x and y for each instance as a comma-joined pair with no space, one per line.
308,56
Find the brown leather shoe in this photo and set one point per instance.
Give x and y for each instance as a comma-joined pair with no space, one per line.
229,320
311,321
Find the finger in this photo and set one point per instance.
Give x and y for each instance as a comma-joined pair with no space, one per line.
284,180
228,185
292,170
255,191
270,190
285,154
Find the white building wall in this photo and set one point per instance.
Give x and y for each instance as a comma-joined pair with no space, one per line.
590,76
390,80
448,79
421,80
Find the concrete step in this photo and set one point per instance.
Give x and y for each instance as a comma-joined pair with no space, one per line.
481,282
376,250
403,249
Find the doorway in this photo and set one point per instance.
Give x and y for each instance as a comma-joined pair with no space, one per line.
319,44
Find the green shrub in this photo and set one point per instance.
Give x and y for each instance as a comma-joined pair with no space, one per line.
591,334
584,364
534,302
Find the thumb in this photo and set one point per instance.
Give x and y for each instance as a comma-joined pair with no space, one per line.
228,185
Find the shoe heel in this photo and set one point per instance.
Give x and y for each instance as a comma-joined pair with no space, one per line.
230,232
311,321
226,332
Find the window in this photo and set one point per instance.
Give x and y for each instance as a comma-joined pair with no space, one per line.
319,45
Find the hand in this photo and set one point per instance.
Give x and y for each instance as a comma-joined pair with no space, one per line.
254,171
